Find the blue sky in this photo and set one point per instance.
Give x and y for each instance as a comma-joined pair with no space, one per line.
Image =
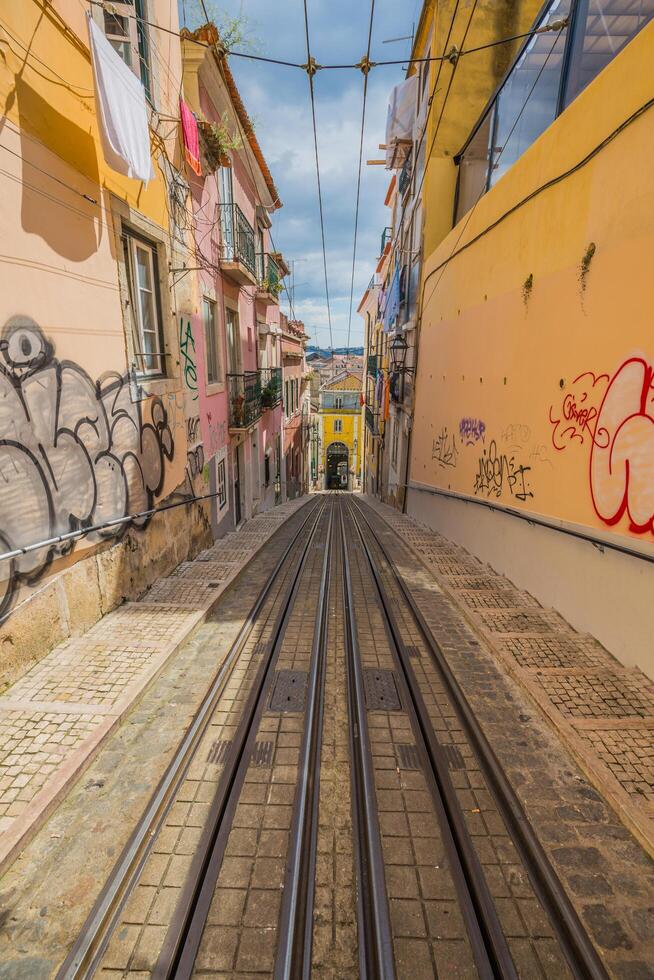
278,100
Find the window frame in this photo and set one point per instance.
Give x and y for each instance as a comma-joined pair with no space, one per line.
338,427
218,381
132,239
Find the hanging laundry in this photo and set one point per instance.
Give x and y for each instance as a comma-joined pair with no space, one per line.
191,137
386,408
392,307
121,110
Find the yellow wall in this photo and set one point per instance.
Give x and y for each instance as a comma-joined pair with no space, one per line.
351,430
534,386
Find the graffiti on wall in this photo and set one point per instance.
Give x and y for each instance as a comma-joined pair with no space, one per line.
74,452
622,450
472,431
443,448
575,420
499,474
187,350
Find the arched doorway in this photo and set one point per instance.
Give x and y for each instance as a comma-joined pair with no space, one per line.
337,468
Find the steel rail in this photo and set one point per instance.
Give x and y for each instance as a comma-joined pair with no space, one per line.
84,958
293,957
375,935
487,940
575,943
184,936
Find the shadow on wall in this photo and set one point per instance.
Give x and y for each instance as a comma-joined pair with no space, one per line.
74,452
79,236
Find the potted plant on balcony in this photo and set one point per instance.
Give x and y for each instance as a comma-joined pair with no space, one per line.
271,286
237,410
268,395
217,141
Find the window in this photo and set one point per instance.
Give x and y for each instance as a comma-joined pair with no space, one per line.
338,425
338,401
549,73
602,29
266,470
214,375
287,407
529,99
233,340
125,28
394,441
145,306
221,484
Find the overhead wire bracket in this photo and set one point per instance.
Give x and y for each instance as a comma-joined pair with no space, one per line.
365,64
453,55
311,67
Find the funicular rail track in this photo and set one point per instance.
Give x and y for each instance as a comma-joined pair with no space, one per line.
337,559
491,952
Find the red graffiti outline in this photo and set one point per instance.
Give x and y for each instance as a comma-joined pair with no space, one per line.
573,430
623,507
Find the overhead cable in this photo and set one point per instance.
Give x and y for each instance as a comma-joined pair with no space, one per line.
364,66
315,146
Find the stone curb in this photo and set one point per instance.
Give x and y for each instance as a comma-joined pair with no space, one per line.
29,822
637,822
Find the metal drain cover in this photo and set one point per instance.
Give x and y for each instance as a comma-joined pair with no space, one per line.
408,757
381,690
218,751
454,757
289,690
262,754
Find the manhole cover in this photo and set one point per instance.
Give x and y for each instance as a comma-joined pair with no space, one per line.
289,690
381,690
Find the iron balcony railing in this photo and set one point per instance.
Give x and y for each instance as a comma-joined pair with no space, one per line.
372,420
244,391
237,237
271,387
404,179
269,275
386,237
374,364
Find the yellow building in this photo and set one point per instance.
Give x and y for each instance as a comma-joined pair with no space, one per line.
339,432
94,392
533,438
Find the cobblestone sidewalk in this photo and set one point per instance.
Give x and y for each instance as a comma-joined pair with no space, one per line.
603,711
54,718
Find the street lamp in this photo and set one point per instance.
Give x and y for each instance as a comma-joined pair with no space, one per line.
398,349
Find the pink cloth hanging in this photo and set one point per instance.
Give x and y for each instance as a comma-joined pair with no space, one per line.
191,138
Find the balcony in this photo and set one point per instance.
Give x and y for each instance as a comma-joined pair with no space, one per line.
245,403
386,238
269,278
237,258
271,387
372,421
374,365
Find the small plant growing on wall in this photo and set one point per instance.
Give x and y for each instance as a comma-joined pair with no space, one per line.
584,269
272,286
527,287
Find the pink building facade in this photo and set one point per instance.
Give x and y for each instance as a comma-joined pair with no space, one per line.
297,407
235,329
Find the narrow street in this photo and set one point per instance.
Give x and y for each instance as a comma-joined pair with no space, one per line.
332,775
326,490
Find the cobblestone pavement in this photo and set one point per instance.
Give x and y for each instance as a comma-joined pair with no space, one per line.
607,874
54,718
49,889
